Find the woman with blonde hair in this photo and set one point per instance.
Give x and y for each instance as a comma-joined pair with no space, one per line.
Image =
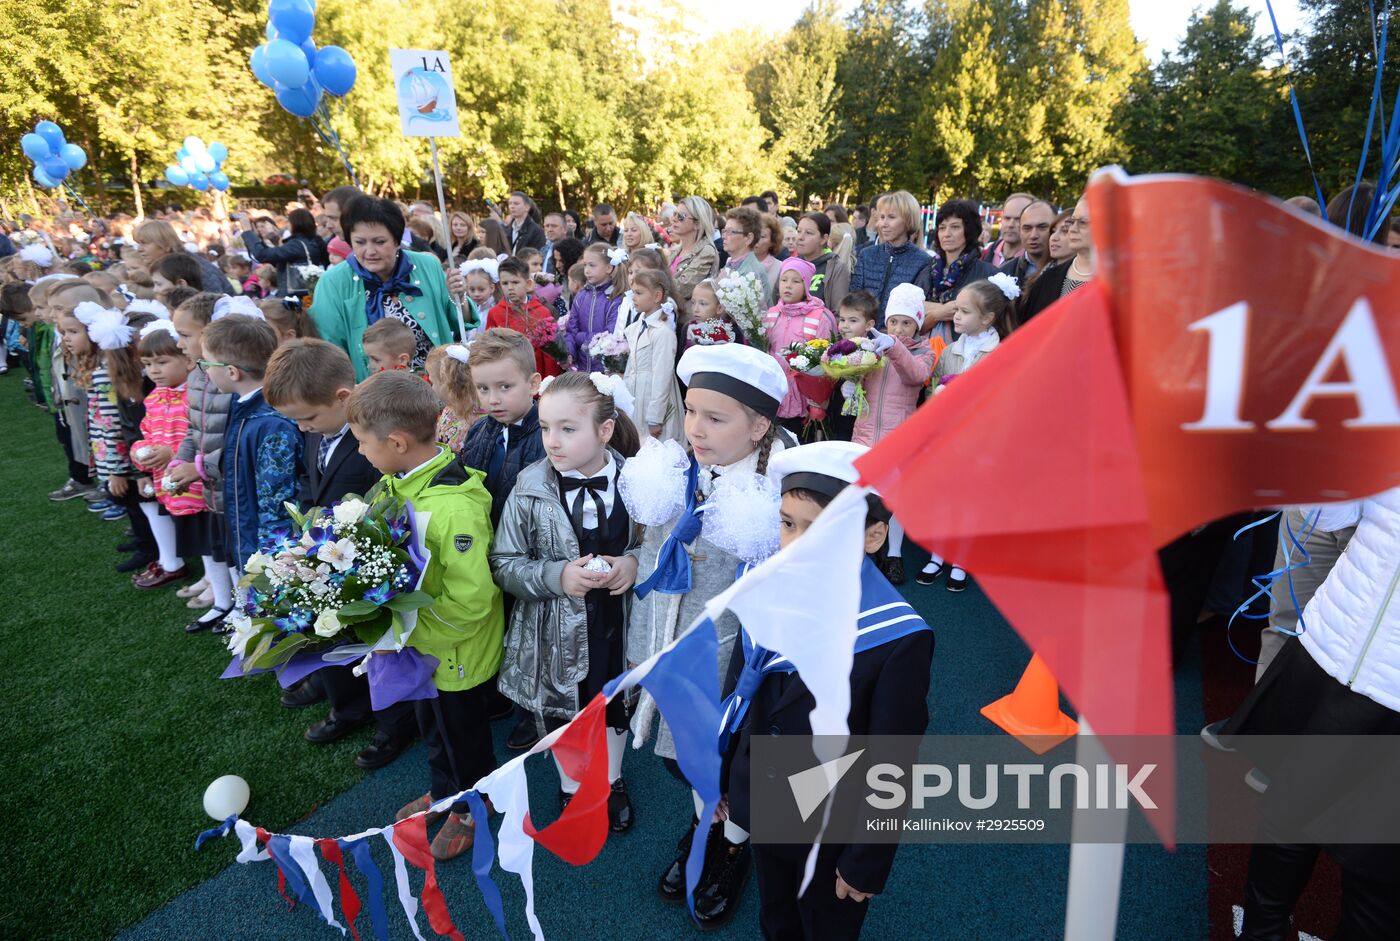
636,233
692,226
462,229
896,258
843,242
156,238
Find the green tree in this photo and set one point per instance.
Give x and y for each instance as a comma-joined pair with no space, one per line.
1206,108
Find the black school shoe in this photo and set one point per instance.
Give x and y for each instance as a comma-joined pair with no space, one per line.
135,563
524,735
894,571
381,751
925,577
956,583
303,694
330,729
671,885
621,816
207,620
717,895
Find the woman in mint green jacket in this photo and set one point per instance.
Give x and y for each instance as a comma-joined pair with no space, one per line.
382,279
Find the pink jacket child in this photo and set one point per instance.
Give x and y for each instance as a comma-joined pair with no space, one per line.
893,392
785,324
166,421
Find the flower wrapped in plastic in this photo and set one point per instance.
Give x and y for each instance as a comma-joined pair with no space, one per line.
709,333
609,351
805,357
544,336
652,484
345,576
741,297
849,362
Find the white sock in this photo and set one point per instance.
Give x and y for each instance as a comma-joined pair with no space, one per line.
220,584
896,541
163,529
566,784
957,574
617,747
935,560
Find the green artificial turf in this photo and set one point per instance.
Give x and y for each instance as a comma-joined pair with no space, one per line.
115,720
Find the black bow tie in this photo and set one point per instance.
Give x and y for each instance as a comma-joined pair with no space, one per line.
592,486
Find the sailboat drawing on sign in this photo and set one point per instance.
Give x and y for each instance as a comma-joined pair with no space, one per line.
422,93
424,96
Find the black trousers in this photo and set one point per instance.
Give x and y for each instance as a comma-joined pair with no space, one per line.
1278,873
819,914
78,470
458,735
145,539
348,695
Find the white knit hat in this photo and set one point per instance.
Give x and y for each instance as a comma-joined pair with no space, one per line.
906,300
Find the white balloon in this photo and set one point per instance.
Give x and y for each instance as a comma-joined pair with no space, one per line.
225,797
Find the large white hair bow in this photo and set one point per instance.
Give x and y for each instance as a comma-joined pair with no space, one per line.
616,389
617,256
142,305
225,306
460,353
41,255
107,328
487,266
161,324
1006,284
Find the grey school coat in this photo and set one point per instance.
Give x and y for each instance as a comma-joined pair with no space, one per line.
208,415
659,619
546,654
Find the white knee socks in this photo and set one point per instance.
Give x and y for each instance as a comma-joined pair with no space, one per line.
220,586
617,747
163,529
896,540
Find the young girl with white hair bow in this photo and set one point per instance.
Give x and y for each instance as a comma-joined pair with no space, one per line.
567,550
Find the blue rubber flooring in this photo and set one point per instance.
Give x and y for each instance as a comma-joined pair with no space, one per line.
936,891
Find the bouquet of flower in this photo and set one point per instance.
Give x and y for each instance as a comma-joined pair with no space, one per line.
544,336
741,297
805,358
310,274
709,333
850,361
344,574
609,352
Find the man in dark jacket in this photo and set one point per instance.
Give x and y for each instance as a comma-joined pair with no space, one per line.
604,226
1035,240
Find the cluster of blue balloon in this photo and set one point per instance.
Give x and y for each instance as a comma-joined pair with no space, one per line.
54,158
199,166
290,64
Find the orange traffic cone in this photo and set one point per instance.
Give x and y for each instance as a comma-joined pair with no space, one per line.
1031,712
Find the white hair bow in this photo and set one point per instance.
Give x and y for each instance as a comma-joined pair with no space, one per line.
487,266
617,256
225,306
39,254
459,352
1006,284
157,325
107,328
141,305
614,388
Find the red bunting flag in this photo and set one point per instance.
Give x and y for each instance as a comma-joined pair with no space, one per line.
582,751
349,900
411,837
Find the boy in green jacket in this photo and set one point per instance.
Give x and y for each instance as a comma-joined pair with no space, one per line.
394,417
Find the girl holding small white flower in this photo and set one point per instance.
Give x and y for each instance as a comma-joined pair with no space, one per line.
983,316
567,550
594,309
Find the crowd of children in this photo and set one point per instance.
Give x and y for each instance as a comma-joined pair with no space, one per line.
200,418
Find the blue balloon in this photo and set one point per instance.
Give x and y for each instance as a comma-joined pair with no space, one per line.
177,176
301,101
309,48
219,181
258,63
55,167
34,147
287,63
43,179
204,162
270,32
200,182
74,156
181,154
218,151
51,133
294,19
335,70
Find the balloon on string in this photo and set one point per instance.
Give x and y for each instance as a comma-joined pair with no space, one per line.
34,147
188,165
258,63
51,133
219,181
177,176
204,163
270,32
200,182
294,19
287,63
301,101
43,179
335,70
218,151
55,167
194,145
74,156
308,48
